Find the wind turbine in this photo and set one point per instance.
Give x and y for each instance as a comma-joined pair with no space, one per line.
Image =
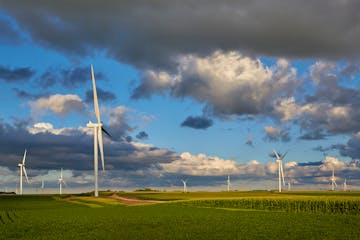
333,183
42,184
23,169
345,186
279,159
185,187
61,181
228,183
98,129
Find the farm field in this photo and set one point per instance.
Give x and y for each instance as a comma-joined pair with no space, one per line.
197,215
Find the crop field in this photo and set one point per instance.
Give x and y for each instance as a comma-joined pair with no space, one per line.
196,215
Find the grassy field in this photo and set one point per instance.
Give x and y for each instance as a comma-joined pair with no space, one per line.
197,215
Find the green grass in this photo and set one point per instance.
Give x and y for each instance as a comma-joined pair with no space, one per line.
49,217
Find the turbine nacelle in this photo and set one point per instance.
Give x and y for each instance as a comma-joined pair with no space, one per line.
93,125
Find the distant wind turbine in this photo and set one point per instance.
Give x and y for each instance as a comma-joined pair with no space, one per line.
61,181
42,184
22,169
279,159
98,141
345,186
228,183
333,183
184,183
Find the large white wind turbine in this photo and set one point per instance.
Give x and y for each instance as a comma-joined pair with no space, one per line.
22,169
333,183
228,183
98,129
98,141
184,183
279,159
61,181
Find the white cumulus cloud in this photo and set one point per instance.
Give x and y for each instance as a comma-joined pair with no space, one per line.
58,104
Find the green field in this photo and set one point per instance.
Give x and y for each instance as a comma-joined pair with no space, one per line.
198,215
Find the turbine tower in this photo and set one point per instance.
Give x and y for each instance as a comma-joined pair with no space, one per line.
22,169
61,182
184,183
279,159
333,183
42,184
98,141
228,183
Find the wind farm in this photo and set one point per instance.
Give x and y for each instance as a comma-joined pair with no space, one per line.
236,203
180,119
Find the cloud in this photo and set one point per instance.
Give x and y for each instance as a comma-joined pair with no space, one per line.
319,119
58,104
276,134
135,164
28,95
19,74
118,125
228,83
103,95
352,147
142,135
197,122
72,148
331,108
250,141
67,77
201,164
270,28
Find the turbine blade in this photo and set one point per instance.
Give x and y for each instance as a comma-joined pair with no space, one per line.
64,183
101,147
61,173
24,158
27,179
283,156
106,132
96,103
276,154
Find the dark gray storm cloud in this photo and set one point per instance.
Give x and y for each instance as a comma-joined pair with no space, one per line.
103,95
145,33
72,149
197,122
67,77
19,74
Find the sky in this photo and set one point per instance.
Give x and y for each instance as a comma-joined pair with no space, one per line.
194,90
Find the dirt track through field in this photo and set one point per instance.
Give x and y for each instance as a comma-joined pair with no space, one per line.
133,201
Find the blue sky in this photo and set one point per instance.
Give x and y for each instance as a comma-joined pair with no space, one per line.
211,96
